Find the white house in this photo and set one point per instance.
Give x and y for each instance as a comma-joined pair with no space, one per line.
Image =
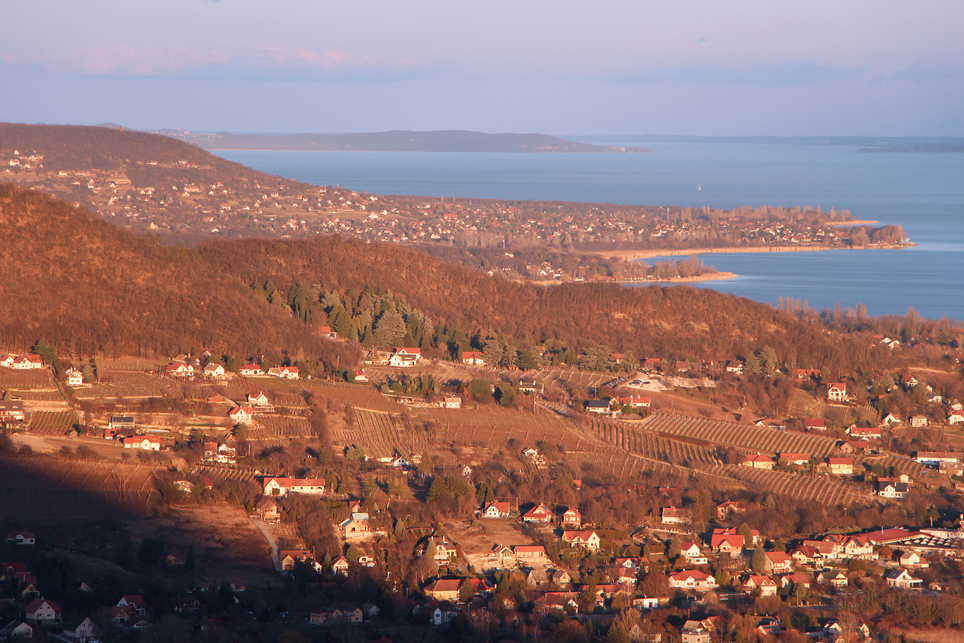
765,584
473,358
836,392
890,488
27,362
694,556
692,579
251,370
901,579
241,414
935,458
675,516
276,486
452,402
179,369
405,357
215,371
497,510
587,540
284,372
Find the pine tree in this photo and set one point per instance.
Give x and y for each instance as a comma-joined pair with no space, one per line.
389,328
759,562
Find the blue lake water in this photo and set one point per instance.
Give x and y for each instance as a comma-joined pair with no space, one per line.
924,193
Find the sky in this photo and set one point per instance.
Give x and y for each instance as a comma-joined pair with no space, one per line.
689,67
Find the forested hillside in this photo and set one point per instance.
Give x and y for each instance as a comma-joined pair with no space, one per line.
87,286
680,321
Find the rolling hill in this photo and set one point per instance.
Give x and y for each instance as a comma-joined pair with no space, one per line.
89,287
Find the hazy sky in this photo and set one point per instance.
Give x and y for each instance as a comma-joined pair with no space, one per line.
837,67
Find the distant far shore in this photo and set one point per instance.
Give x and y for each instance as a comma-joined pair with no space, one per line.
397,141
707,276
629,255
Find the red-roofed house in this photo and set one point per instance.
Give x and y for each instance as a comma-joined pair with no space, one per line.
497,510
727,544
728,508
133,602
473,358
284,372
28,362
241,414
539,514
635,401
692,579
776,562
571,518
82,632
444,589
146,442
841,466
587,540
765,584
43,612
251,370
179,369
863,434
757,462
529,551
795,459
694,556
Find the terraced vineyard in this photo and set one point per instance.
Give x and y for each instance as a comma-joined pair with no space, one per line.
288,400
565,378
25,379
52,422
652,446
133,385
356,395
742,436
287,426
59,489
682,456
377,432
493,426
222,473
40,395
911,467
824,489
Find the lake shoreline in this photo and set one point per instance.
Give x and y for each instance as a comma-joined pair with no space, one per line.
630,255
